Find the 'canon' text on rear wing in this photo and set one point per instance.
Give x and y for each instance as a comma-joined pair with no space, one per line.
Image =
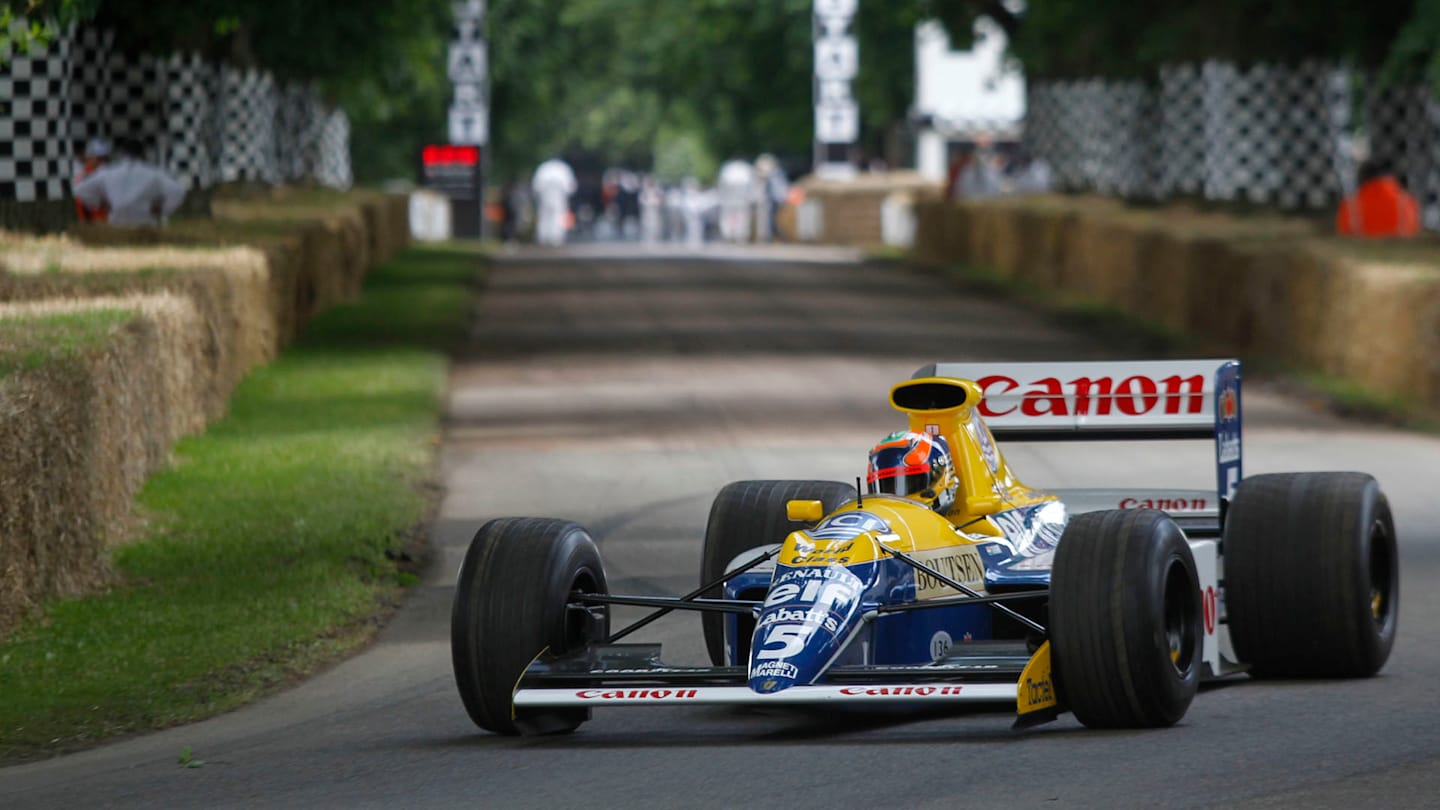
1142,399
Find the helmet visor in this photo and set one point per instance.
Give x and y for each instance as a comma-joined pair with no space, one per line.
907,480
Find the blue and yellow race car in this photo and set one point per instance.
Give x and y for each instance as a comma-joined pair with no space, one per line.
942,577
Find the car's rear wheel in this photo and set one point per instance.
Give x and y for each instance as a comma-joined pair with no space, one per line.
512,601
746,515
1125,619
1312,575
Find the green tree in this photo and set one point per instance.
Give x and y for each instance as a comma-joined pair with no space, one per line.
27,25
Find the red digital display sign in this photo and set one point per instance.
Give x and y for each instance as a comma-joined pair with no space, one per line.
450,155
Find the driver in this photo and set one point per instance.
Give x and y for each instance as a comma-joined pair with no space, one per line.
916,466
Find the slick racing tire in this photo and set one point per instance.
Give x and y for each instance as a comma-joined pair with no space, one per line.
1125,619
748,514
1312,575
511,603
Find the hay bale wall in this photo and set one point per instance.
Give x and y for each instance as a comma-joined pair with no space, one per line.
80,435
1260,286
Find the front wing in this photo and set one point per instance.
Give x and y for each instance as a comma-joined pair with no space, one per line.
633,675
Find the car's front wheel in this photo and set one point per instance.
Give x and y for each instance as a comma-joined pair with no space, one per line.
513,601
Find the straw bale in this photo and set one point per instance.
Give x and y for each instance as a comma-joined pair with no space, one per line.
180,353
212,299
78,438
229,288
42,454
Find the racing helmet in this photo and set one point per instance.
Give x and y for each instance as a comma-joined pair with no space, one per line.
914,465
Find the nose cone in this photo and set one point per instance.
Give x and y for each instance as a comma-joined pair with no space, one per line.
809,614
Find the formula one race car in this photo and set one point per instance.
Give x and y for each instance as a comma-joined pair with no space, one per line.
946,579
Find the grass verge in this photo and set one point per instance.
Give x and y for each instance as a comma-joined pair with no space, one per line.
275,544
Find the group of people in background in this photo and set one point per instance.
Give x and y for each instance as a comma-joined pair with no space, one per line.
985,169
114,184
626,205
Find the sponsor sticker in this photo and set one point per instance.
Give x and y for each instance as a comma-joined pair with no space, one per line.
960,563
1136,395
1229,406
775,669
810,617
981,436
940,645
848,526
1167,504
807,553
1036,690
1228,449
636,694
899,691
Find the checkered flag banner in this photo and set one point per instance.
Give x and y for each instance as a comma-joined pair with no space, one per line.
249,104
333,168
204,123
192,137
1268,134
90,50
35,152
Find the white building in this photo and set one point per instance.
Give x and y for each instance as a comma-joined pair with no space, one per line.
962,95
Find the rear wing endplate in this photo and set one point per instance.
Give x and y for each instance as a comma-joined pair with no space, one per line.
1096,400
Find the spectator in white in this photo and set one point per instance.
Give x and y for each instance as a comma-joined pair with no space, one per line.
136,192
736,188
553,183
696,202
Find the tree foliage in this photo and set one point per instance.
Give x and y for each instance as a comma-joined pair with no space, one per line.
30,25
1073,38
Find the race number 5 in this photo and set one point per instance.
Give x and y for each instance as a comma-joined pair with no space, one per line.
791,637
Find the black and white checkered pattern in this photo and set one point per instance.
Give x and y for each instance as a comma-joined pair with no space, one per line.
1403,126
136,100
35,155
1182,114
1266,134
191,137
90,50
205,124
333,170
248,104
1056,119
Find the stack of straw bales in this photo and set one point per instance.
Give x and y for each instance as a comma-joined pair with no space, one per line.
79,435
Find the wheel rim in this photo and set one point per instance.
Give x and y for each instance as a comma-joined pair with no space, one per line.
1382,577
579,629
1181,604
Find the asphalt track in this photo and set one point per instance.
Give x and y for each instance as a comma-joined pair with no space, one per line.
623,393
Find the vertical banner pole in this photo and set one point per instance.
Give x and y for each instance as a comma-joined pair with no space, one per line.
469,116
837,61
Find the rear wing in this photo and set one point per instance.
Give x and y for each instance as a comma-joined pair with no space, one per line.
1142,399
